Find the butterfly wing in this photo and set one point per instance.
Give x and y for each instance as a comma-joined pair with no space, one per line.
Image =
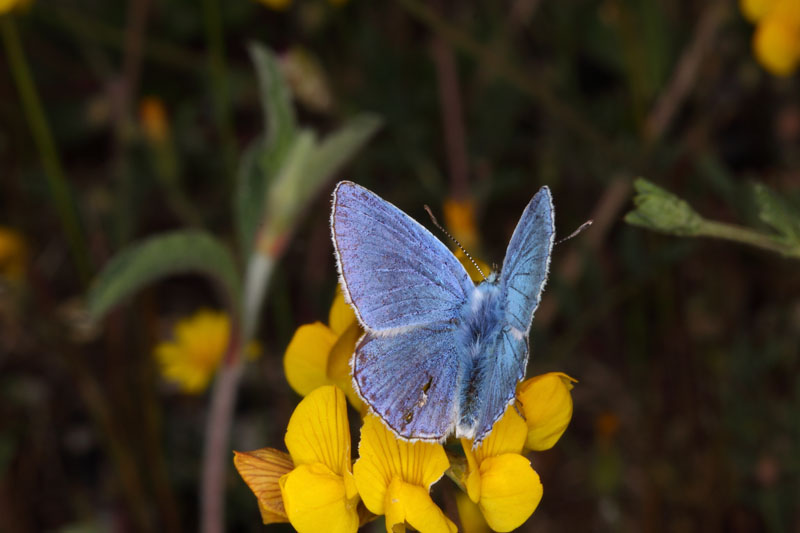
527,261
397,275
521,282
409,380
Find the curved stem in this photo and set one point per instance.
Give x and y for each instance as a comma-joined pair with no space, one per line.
216,457
742,235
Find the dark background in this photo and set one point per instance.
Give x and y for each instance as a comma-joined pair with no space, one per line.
687,410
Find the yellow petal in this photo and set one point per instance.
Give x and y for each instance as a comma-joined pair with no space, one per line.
777,45
754,10
412,505
318,431
547,406
470,515
507,436
305,362
316,500
339,364
261,469
341,315
510,491
382,457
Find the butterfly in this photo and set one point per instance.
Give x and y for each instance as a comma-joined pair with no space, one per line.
440,354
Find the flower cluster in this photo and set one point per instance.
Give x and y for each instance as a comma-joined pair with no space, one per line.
776,41
316,487
200,342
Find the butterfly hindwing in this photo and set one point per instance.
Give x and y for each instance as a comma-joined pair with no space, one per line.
394,271
409,379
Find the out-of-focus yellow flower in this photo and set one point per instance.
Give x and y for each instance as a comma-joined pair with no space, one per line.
776,41
153,118
13,255
777,45
307,79
262,469
200,343
9,5
320,493
459,218
320,355
499,478
754,10
394,478
546,404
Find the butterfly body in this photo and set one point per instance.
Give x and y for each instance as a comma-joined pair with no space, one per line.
440,354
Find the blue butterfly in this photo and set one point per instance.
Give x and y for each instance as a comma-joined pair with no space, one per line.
440,354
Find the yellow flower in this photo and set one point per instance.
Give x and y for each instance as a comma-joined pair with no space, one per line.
777,45
394,478
200,343
776,41
312,486
320,355
13,254
153,118
261,470
499,478
754,10
546,404
320,493
459,218
7,6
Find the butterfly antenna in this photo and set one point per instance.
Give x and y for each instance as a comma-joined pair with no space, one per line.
577,231
436,223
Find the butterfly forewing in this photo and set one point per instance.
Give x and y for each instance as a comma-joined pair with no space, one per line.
394,271
521,282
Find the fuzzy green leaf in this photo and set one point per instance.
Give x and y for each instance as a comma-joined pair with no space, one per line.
660,210
775,211
157,257
264,158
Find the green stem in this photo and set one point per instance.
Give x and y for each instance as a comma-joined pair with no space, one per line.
730,232
218,71
43,136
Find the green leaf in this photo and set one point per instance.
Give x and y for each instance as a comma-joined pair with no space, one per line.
339,147
660,210
157,257
305,170
775,211
264,158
